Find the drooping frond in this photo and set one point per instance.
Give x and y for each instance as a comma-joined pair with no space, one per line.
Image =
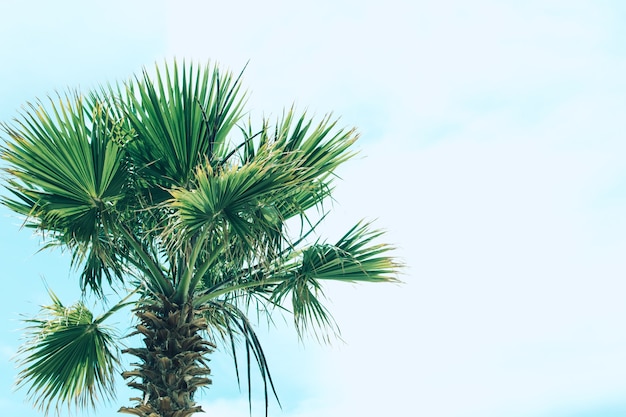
70,358
229,323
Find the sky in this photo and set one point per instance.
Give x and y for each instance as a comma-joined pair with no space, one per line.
492,151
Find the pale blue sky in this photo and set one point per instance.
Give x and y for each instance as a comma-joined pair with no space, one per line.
493,153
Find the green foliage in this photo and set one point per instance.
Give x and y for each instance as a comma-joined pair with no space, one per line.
69,357
156,186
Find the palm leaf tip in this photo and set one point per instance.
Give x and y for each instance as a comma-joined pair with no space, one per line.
356,257
69,358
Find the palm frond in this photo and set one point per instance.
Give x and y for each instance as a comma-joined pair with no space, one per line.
180,120
231,325
310,151
68,173
66,164
296,278
70,358
240,207
230,214
232,202
354,258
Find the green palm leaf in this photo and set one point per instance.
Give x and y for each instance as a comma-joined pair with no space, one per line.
180,120
66,164
69,358
354,258
230,324
68,173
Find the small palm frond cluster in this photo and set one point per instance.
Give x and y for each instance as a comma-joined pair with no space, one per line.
157,187
70,357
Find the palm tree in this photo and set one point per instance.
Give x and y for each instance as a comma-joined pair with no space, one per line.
147,187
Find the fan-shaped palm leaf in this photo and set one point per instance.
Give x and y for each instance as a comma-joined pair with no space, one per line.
70,357
180,120
68,173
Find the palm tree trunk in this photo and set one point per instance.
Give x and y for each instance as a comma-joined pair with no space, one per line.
173,363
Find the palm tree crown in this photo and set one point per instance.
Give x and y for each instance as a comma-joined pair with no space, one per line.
162,192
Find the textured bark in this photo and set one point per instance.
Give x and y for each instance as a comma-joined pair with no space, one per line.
173,363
